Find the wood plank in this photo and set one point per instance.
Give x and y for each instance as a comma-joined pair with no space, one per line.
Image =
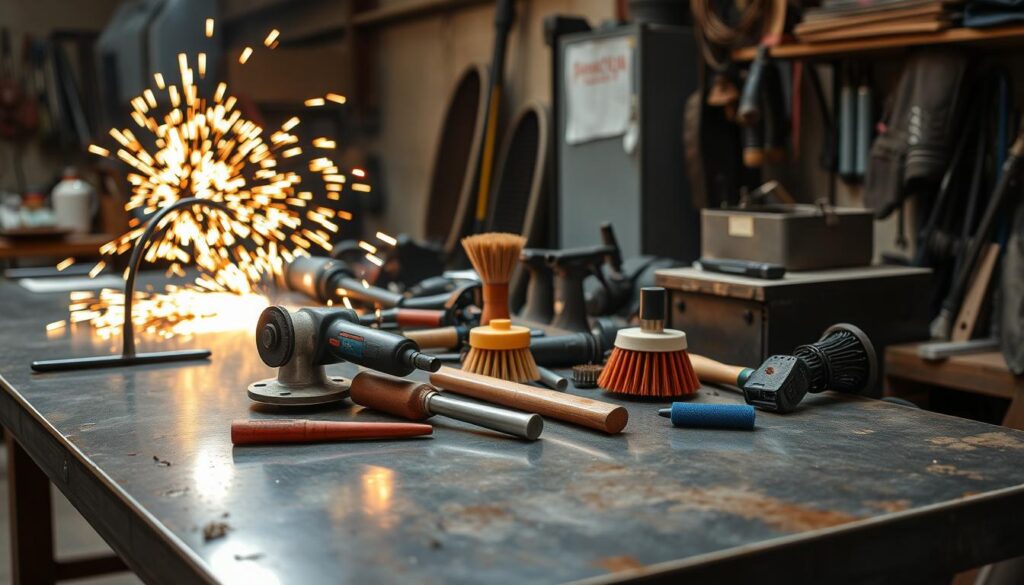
1013,33
982,373
977,293
84,245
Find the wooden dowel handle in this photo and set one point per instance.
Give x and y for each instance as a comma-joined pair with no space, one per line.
579,410
441,338
708,370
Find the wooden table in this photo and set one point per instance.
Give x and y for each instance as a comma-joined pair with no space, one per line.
908,375
845,490
72,245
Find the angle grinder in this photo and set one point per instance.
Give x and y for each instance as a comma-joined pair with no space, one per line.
300,343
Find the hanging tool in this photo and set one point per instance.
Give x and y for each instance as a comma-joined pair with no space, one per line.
504,14
417,401
263,432
300,343
594,414
1007,185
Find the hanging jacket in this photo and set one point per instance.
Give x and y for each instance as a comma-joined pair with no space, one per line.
913,149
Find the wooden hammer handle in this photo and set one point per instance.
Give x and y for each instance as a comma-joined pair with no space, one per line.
441,338
579,410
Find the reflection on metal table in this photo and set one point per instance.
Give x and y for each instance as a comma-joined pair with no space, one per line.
812,497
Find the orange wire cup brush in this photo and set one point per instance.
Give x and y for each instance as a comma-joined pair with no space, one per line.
650,360
501,350
494,256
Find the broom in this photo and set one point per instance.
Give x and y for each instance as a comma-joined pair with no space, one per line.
494,256
501,350
650,360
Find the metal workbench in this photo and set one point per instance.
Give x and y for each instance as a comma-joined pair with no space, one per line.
845,490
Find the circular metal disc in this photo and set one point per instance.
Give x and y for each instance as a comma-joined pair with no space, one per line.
270,391
275,336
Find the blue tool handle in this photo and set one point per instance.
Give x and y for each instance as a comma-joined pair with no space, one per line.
710,416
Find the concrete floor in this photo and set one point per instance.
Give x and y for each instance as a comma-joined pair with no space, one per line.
73,534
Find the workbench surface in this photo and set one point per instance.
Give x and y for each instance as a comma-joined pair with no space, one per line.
843,490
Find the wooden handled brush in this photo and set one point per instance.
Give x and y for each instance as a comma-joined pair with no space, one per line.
494,256
501,350
650,360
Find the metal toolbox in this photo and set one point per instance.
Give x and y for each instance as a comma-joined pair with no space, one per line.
741,320
798,237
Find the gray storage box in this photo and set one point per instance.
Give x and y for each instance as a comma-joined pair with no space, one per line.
798,237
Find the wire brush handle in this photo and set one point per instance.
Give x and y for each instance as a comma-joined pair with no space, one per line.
708,370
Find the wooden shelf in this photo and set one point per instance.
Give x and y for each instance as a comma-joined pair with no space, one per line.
853,47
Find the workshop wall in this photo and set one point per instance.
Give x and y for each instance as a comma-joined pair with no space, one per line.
419,63
39,18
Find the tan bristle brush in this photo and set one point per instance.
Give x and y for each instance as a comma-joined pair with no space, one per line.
494,256
650,360
501,350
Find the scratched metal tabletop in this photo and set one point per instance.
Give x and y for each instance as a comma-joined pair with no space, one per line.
844,490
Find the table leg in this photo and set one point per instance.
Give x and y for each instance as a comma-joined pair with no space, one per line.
1014,417
31,514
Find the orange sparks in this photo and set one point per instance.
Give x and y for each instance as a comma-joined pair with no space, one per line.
337,98
56,325
361,187
202,65
323,142
97,269
209,28
375,260
314,102
246,53
386,239
98,150
292,152
159,79
64,264
271,38
368,247
358,173
291,123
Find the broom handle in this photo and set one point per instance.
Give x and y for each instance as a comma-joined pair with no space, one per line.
579,410
709,370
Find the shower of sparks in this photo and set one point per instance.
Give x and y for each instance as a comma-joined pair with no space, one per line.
177,311
191,145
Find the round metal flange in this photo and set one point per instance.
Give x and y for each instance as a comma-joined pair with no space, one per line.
869,349
270,391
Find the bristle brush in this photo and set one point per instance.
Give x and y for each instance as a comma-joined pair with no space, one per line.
494,257
650,360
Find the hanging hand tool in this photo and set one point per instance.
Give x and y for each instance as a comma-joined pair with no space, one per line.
263,432
504,14
302,342
417,401
1008,184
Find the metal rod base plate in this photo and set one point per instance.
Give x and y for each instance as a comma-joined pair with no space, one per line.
271,391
